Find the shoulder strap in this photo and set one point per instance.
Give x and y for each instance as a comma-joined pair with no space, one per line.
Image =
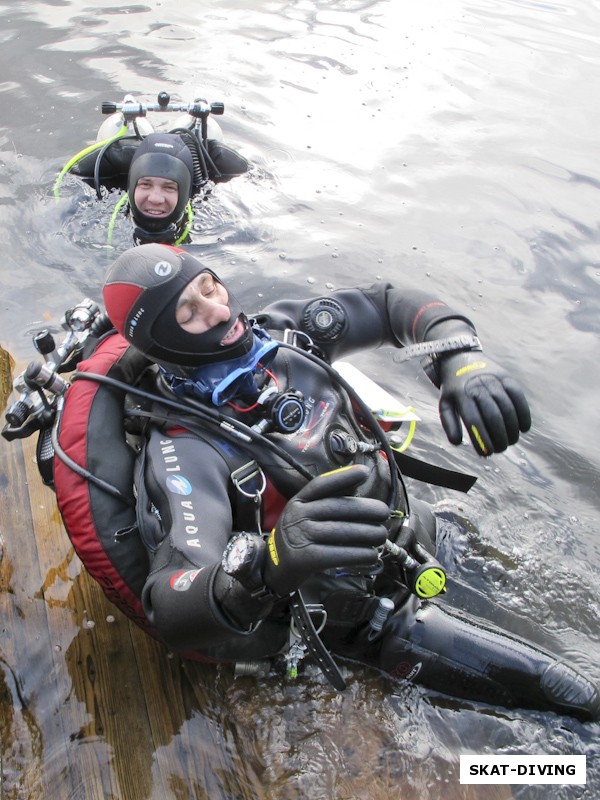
247,477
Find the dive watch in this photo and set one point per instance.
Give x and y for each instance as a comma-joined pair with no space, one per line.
243,560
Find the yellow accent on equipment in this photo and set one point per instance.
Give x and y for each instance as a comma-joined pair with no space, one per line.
81,154
471,367
430,583
273,548
479,440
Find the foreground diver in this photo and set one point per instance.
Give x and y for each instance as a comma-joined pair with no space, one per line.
261,516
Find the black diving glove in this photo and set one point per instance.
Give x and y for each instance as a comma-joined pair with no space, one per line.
325,526
491,404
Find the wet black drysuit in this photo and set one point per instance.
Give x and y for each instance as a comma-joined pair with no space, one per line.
222,163
188,509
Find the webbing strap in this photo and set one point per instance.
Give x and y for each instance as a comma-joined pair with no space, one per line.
313,642
430,473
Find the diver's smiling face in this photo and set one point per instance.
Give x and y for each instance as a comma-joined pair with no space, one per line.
156,197
203,304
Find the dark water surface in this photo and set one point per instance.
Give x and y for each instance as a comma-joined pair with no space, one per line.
447,144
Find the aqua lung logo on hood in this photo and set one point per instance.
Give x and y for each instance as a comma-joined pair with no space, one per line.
162,269
133,323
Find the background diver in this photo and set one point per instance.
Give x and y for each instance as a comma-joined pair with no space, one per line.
180,164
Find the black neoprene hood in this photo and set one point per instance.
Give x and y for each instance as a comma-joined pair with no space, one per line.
141,293
161,155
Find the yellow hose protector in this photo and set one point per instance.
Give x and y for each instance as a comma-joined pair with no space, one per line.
82,154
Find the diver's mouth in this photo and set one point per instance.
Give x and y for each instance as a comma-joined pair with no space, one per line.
152,212
234,333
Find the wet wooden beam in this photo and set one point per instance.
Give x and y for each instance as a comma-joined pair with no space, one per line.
91,708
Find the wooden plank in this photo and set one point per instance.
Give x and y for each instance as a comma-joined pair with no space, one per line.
133,739
25,645
99,668
94,709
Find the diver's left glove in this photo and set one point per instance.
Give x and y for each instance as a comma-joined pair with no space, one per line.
325,525
489,402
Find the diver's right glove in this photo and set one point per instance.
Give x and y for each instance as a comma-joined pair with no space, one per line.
325,526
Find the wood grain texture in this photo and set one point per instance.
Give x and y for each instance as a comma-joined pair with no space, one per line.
91,708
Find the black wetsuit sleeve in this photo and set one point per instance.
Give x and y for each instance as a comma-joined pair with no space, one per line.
368,317
185,519
224,163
